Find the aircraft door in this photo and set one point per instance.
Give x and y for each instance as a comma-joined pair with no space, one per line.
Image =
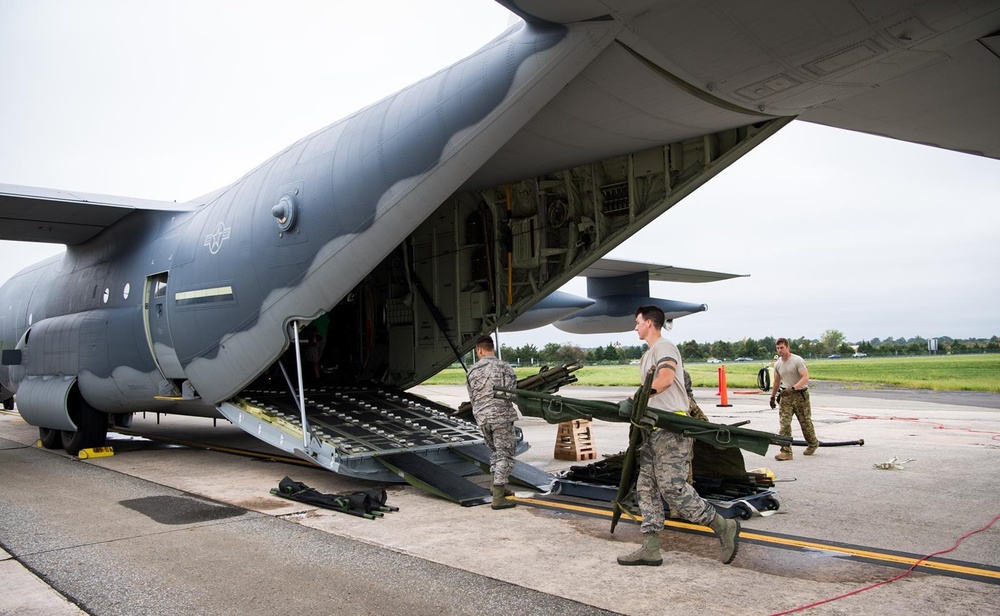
158,327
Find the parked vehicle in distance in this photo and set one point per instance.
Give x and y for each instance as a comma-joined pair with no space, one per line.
834,356
860,355
712,360
743,359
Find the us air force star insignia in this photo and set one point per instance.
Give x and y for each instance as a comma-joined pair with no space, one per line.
214,240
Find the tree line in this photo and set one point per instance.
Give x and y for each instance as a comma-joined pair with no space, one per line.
831,342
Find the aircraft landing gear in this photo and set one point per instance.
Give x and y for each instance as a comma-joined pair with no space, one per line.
92,428
8,404
51,438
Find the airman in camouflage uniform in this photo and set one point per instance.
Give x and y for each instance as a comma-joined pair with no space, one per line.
665,457
495,416
791,369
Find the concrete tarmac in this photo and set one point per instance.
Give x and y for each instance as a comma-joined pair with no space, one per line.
164,529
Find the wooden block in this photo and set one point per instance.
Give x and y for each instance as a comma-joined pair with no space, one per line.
574,441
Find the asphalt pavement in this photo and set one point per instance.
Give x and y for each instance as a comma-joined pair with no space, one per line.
162,528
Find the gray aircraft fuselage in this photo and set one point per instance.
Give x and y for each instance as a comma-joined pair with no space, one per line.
220,284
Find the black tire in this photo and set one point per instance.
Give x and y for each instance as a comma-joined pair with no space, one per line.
50,438
92,428
772,504
764,379
8,404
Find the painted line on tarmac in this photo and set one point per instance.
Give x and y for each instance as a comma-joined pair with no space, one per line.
900,560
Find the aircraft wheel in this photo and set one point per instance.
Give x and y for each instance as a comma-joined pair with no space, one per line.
51,438
92,429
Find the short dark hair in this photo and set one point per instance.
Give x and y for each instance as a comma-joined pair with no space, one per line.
651,313
783,341
486,343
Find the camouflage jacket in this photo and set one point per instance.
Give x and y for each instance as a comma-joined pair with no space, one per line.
484,375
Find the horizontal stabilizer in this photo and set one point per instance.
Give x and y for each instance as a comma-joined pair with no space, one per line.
612,268
616,314
30,214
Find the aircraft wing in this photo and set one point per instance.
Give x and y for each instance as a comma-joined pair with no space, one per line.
613,268
30,214
926,72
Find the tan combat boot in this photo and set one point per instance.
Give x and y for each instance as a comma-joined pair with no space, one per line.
728,532
648,554
781,457
810,450
500,500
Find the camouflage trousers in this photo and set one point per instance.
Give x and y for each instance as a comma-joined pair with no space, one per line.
796,403
499,437
664,461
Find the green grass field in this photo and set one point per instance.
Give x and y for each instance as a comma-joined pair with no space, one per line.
943,373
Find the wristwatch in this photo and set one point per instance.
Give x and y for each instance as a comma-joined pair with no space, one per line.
793,387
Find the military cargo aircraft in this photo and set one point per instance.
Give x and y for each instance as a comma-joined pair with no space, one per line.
448,210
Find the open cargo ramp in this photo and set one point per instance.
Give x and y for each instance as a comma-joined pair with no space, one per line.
346,428
382,435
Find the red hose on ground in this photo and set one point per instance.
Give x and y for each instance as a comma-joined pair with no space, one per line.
901,575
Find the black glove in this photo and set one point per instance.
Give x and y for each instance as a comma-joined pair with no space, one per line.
773,403
625,408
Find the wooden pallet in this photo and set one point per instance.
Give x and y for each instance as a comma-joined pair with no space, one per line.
574,441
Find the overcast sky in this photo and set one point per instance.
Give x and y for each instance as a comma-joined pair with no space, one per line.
170,100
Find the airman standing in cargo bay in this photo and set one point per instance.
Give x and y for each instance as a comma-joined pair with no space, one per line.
495,416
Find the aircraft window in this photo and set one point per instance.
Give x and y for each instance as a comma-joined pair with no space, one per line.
159,288
107,294
126,290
